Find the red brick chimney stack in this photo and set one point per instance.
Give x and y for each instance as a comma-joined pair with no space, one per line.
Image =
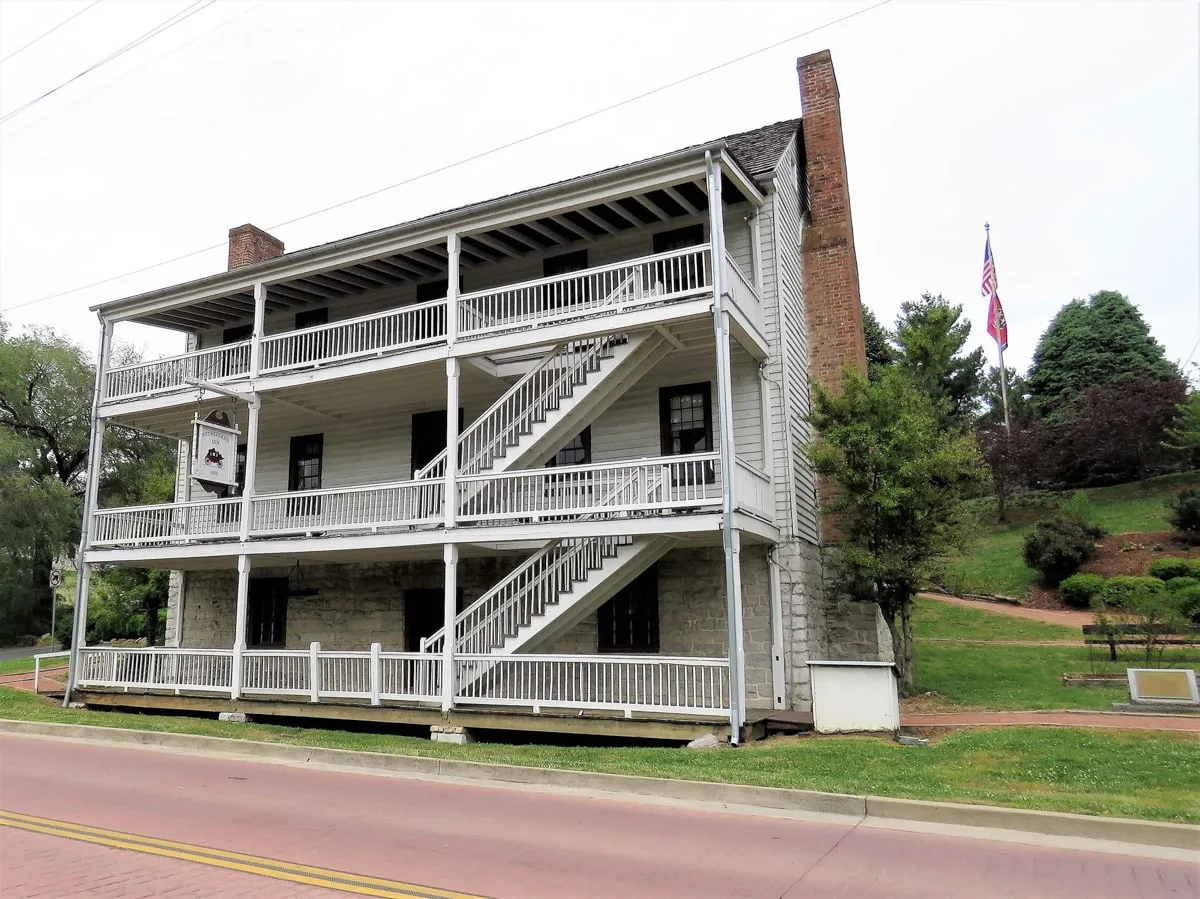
248,245
830,267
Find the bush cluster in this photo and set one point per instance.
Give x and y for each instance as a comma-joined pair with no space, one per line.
1079,590
1184,513
1058,547
1168,568
1170,583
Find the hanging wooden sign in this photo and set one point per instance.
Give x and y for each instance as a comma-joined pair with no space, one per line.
214,452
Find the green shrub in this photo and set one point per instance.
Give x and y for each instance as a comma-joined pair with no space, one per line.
1119,591
1170,567
1078,590
1189,602
1057,547
1176,584
1184,514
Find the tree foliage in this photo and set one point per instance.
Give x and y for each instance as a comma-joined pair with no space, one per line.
1115,431
1014,456
880,352
1091,343
46,385
1021,411
900,481
930,337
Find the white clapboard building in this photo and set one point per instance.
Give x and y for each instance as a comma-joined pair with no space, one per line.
626,539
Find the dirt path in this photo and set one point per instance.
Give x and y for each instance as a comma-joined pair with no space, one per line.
1065,617
1117,720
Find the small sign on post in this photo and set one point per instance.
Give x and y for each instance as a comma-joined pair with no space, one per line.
55,577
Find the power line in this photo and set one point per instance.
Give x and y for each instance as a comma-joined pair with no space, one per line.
197,6
50,32
120,78
476,156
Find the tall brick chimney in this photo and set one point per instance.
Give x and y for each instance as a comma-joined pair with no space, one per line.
248,245
832,299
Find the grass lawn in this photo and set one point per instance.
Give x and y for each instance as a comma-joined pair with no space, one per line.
994,564
975,675
1142,775
942,621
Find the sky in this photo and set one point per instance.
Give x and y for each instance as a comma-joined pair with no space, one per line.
1073,128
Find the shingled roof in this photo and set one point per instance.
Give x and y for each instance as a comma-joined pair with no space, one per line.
759,150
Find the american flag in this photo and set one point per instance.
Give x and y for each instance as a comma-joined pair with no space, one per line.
989,269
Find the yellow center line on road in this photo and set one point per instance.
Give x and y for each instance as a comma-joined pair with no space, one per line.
326,878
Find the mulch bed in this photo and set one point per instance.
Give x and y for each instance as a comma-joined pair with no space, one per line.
1120,554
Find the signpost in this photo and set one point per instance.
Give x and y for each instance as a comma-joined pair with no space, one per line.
55,583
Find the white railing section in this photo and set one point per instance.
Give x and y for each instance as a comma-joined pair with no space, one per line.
604,289
745,297
220,363
276,671
752,490
167,523
156,668
407,327
609,490
400,504
628,683
411,676
524,405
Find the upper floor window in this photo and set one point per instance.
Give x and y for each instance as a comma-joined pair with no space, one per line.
573,290
236,333
678,238
311,318
305,462
685,420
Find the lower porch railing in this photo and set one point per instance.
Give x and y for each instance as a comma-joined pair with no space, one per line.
625,683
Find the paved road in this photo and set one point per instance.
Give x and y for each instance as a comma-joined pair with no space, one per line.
24,652
465,840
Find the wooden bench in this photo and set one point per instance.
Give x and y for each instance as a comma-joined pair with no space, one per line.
1113,636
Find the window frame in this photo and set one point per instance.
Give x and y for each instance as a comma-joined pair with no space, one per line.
666,434
620,613
271,592
309,505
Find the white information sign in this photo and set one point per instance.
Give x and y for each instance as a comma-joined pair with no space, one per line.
214,457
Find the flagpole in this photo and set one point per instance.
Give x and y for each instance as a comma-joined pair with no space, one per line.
987,228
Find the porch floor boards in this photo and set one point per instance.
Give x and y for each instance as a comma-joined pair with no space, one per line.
590,722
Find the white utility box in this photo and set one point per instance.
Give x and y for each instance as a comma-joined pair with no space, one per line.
851,697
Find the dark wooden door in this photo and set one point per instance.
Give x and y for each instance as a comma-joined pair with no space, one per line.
423,614
429,436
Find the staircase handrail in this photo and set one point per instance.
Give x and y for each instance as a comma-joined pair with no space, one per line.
577,544
595,348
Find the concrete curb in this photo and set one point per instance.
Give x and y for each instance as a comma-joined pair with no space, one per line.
1124,830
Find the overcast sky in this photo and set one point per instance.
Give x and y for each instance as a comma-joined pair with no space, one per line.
1072,127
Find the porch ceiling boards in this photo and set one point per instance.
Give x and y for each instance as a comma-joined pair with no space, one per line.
639,211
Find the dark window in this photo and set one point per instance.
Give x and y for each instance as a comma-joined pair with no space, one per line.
305,462
228,513
578,450
571,291
310,318
678,238
240,469
436,290
685,417
429,436
424,612
267,612
629,621
571,490
240,332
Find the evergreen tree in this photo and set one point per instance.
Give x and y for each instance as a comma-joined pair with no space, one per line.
1093,343
880,352
930,338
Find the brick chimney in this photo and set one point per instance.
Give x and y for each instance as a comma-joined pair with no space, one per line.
832,299
248,245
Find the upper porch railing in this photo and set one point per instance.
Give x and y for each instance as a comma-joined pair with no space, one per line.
605,290
639,488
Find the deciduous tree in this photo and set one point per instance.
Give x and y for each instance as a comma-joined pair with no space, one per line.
901,479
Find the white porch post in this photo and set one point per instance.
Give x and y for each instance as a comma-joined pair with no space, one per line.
730,538
239,624
247,510
450,607
260,312
778,679
453,246
95,453
452,401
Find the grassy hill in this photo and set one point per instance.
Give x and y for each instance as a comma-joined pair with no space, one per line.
994,564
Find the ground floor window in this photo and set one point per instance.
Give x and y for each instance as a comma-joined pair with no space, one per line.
629,621
266,626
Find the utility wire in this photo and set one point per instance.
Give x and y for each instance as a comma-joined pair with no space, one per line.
476,156
50,32
197,6
69,103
